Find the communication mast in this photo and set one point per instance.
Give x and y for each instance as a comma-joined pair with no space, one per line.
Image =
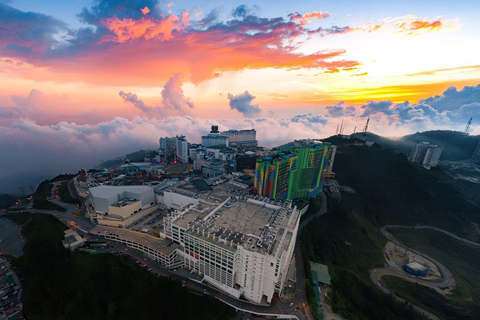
467,129
365,129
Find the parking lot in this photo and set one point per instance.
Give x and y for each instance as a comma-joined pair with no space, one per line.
151,223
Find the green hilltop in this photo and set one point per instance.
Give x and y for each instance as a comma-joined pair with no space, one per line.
391,190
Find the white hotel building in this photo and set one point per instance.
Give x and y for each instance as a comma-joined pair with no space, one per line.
241,244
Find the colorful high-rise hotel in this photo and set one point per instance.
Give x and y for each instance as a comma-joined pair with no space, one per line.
296,173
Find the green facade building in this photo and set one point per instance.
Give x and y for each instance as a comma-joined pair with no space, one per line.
295,173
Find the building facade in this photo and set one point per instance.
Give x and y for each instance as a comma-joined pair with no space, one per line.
121,202
426,154
239,244
182,149
241,138
167,144
293,174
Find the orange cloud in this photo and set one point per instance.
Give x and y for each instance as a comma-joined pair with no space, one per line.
305,18
416,26
145,10
146,28
409,24
145,50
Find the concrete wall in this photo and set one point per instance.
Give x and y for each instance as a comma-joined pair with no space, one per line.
125,211
176,201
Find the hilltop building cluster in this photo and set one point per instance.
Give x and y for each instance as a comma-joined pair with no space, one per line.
426,154
238,242
230,214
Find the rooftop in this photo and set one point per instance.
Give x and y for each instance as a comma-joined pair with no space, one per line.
253,224
124,202
111,191
416,266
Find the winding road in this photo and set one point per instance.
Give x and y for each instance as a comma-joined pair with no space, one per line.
447,278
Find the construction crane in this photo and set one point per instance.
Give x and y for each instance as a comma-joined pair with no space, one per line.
365,130
467,129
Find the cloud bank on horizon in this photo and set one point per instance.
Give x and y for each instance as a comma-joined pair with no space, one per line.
125,73
28,147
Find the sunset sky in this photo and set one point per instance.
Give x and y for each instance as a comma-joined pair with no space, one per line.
85,80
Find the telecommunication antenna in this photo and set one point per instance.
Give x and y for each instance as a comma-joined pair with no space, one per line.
365,129
467,129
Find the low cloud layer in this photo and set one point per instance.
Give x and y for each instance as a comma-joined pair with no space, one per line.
31,151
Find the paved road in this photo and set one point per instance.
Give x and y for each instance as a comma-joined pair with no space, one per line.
81,221
447,278
373,276
301,296
277,307
465,241
446,274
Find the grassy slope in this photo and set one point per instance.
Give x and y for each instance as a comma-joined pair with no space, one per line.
389,191
63,285
426,298
456,145
351,246
461,260
41,195
65,194
393,191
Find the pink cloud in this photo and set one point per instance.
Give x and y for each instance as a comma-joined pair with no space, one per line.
145,10
305,18
146,28
144,50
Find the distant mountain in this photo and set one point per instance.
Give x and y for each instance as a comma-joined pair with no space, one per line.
456,146
137,156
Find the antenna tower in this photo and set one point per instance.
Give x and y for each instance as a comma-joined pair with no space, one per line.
365,129
467,129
